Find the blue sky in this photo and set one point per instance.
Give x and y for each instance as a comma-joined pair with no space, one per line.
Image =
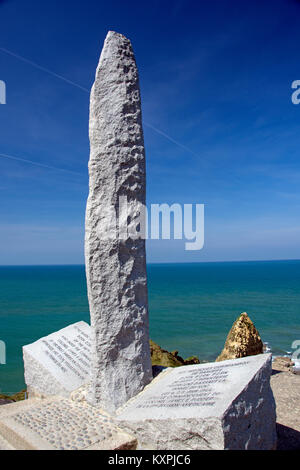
215,78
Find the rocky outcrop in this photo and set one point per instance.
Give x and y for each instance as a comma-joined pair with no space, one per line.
6,399
243,340
283,364
161,357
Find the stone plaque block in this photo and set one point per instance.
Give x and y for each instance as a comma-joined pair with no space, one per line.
226,405
59,363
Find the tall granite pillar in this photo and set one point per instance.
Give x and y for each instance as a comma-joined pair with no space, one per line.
116,261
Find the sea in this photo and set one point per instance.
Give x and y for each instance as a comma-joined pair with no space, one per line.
191,306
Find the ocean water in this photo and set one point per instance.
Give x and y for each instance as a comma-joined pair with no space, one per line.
191,306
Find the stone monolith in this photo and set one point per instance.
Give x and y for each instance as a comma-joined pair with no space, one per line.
114,243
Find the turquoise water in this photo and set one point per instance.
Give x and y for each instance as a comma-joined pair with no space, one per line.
192,306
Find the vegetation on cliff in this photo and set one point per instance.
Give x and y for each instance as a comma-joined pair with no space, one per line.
161,357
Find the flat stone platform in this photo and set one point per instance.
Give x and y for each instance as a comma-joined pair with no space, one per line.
4,445
59,424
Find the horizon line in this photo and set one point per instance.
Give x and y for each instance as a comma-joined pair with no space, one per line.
157,262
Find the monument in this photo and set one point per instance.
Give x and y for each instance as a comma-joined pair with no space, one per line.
91,387
116,262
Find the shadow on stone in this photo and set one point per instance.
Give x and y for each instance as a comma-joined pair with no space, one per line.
157,370
4,401
288,438
276,371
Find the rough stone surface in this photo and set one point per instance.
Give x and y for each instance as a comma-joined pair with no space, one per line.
116,262
207,406
242,340
60,424
59,363
283,364
286,389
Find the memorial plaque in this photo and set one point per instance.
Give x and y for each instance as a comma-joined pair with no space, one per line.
59,363
208,406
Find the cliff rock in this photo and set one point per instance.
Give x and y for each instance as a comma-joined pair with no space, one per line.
243,340
161,357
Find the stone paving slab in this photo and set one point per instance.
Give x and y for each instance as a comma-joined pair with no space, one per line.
59,424
4,445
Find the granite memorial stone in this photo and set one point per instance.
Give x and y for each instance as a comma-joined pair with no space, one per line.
115,260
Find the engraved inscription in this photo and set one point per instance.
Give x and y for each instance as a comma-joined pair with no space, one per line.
70,355
194,387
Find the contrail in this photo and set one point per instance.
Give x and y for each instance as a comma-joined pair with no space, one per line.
37,66
12,157
70,82
171,139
